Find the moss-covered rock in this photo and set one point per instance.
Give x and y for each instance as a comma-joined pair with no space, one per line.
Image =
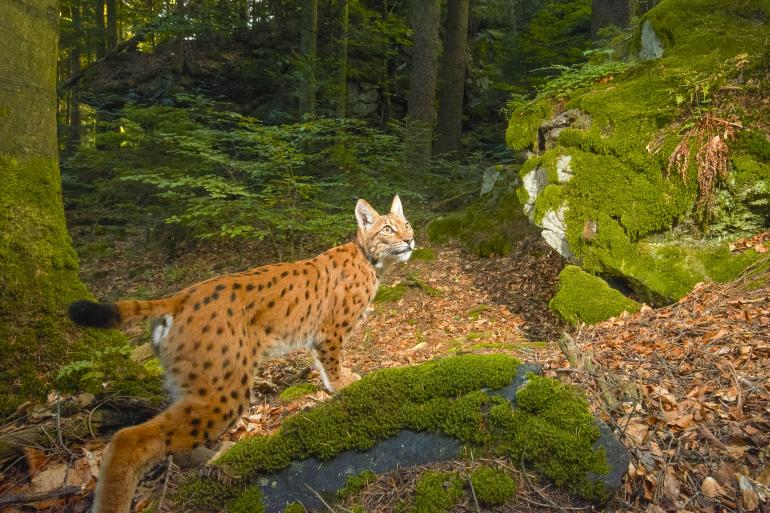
356,483
492,486
619,195
583,297
489,226
551,430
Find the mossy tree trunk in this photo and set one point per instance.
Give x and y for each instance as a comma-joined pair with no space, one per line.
112,24
342,92
100,32
452,79
421,109
38,266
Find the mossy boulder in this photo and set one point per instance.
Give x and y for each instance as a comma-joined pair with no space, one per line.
490,225
602,190
583,297
440,409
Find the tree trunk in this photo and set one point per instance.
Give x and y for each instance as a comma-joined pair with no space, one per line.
73,135
38,267
309,47
342,86
421,100
609,12
452,79
100,33
112,24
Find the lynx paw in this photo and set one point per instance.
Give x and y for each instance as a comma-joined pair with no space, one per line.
346,378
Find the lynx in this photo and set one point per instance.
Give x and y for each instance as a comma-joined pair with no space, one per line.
211,335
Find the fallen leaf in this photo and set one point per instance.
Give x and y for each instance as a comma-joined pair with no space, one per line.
711,488
50,478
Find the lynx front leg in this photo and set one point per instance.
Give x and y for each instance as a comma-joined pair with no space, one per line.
328,359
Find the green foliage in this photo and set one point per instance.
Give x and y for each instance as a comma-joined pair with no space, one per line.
356,483
436,492
492,486
296,391
582,297
423,254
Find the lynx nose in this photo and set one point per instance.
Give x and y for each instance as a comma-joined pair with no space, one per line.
410,243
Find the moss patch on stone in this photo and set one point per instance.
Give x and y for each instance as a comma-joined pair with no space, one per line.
294,392
486,227
492,486
294,507
583,297
552,431
436,492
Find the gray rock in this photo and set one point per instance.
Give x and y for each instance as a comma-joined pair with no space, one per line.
302,480
534,182
563,168
489,179
555,231
652,49
548,132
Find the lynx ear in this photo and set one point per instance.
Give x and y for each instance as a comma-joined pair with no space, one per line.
365,214
396,208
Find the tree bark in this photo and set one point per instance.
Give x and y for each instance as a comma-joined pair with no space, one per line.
421,100
309,47
609,12
100,32
452,79
112,24
38,266
73,135
342,86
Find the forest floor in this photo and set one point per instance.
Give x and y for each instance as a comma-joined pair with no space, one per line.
686,387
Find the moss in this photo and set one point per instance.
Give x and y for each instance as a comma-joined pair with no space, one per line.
249,501
295,507
524,122
552,431
492,486
294,392
388,294
436,492
475,313
425,254
203,494
582,297
444,396
487,227
356,483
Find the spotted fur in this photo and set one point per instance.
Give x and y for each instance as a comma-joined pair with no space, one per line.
211,335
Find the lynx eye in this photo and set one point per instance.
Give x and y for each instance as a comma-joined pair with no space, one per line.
387,230
407,225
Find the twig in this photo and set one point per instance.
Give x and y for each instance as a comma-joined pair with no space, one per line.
473,493
163,491
30,498
320,498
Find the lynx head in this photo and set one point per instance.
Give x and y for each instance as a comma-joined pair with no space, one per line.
385,239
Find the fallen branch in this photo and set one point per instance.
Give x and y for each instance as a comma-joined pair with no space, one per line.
31,498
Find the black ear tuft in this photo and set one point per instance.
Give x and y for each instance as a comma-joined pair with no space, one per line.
94,315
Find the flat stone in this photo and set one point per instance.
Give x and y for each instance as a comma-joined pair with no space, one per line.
534,182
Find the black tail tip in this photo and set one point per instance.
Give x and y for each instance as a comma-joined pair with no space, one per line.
94,315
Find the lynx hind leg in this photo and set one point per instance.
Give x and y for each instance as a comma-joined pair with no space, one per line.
185,425
328,359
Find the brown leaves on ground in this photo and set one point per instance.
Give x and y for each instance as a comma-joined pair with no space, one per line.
698,428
